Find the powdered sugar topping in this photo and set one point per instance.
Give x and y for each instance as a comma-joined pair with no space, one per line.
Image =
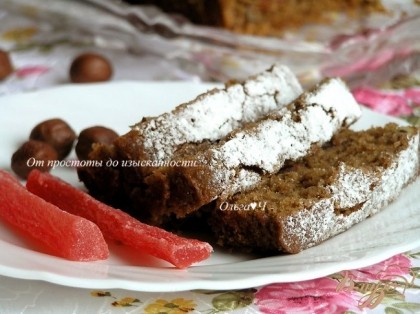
313,225
286,134
332,97
213,115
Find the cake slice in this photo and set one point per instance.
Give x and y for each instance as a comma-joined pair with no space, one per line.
199,122
309,201
267,18
239,161
211,115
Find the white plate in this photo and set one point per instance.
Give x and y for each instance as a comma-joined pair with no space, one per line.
396,229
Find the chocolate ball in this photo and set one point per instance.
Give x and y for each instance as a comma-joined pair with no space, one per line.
6,67
33,155
89,136
57,133
90,67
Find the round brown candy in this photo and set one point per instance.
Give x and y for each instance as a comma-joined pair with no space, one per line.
90,67
6,67
57,133
89,136
33,155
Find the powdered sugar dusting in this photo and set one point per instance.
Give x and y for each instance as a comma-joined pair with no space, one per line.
286,134
330,99
213,115
352,186
313,225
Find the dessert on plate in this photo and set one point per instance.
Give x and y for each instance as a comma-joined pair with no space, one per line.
270,170
349,179
195,155
239,160
187,128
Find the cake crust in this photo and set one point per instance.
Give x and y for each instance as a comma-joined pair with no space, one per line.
313,201
190,127
212,115
239,161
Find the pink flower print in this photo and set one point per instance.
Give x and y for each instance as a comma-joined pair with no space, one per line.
388,269
26,71
317,296
382,101
366,63
413,95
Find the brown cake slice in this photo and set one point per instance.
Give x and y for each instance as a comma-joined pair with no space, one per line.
264,17
155,140
239,161
349,179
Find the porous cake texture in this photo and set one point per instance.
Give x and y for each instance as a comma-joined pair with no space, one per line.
239,161
348,180
187,128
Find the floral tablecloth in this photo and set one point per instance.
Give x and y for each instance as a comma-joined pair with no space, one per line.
391,286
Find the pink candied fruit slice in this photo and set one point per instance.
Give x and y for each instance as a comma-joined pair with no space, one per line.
118,225
65,235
